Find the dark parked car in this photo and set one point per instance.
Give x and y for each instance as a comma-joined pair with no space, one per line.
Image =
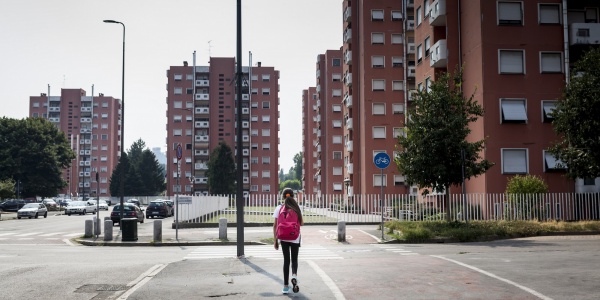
135,201
13,204
158,209
130,210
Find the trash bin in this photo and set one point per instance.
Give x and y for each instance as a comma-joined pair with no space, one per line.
129,229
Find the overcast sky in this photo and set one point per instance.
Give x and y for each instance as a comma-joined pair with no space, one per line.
65,44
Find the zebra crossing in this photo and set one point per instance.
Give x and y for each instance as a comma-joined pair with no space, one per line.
307,252
394,249
5,236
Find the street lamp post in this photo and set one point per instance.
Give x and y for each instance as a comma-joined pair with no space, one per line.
121,162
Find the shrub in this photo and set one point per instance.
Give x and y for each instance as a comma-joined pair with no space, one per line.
528,184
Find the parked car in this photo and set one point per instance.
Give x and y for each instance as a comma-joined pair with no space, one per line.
171,207
80,207
135,201
108,201
32,210
63,202
50,203
130,210
14,204
158,209
103,205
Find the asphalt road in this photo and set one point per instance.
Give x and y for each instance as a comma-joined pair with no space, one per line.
531,268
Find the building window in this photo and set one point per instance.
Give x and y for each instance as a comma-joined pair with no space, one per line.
104,126
548,106
177,118
177,104
189,91
510,13
103,158
426,9
428,84
337,123
377,180
397,85
396,15
178,91
266,77
254,77
254,188
254,132
427,45
104,137
336,93
336,139
189,76
336,62
397,62
266,91
397,108
513,110
337,154
254,91
549,13
336,77
419,15
378,61
337,170
104,147
511,61
377,38
266,160
397,38
419,53
254,146
36,104
378,132
378,84
377,15
266,118
337,186
177,132
254,118
266,104
514,161
378,108
399,131
589,181
178,77
398,179
336,108
551,62
254,104
254,160
266,146
551,163
104,116
266,187
254,174
188,132
266,174
266,132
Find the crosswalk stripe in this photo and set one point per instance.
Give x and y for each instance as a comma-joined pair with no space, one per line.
72,234
51,234
395,249
28,234
7,233
208,252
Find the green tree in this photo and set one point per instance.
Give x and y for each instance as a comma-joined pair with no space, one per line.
221,170
144,175
34,151
576,120
281,176
436,132
522,193
151,174
7,188
298,165
294,184
115,178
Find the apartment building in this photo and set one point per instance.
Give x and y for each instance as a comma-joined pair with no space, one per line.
92,124
516,57
202,112
309,143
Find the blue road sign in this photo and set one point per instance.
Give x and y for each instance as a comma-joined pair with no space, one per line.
179,151
382,160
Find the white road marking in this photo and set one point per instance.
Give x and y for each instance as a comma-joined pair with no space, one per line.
28,234
72,234
374,237
268,252
531,291
68,242
141,280
7,233
51,234
328,281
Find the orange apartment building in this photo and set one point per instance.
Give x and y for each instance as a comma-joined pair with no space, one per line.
309,131
93,126
202,112
516,57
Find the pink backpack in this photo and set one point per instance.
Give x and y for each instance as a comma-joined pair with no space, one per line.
288,227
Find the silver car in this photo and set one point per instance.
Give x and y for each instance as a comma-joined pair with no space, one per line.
32,210
80,207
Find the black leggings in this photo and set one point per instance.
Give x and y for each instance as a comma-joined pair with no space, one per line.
285,248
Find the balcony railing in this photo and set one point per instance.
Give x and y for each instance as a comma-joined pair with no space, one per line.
202,83
203,97
584,34
438,13
439,55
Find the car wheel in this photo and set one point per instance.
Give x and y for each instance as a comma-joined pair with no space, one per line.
36,215
45,214
84,212
69,214
30,217
19,218
142,221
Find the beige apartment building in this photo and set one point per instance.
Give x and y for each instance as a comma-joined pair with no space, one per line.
92,124
202,112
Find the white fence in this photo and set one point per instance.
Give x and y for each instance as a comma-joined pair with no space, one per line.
258,208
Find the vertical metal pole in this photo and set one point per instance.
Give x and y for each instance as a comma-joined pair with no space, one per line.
462,157
122,175
97,200
381,205
177,203
240,179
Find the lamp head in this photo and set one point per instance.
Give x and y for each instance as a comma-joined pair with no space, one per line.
110,21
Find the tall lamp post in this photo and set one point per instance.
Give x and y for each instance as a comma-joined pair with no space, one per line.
121,162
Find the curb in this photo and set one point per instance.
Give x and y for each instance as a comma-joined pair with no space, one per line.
162,244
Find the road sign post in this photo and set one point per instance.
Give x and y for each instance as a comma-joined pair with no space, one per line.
381,161
179,153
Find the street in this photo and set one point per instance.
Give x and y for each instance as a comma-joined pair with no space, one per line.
39,261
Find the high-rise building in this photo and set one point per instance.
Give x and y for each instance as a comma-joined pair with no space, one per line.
202,113
310,128
92,124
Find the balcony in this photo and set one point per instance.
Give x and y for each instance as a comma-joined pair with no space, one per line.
55,109
85,142
201,180
348,101
201,139
84,174
86,163
410,24
84,109
410,3
318,163
246,166
348,36
350,168
439,55
55,120
349,146
85,152
318,148
245,97
319,178
245,110
348,57
202,97
85,120
246,180
245,152
201,166
411,95
85,130
202,110
348,14
202,83
411,71
411,48
201,124
438,13
245,124
584,34
349,123
348,79
245,138
201,152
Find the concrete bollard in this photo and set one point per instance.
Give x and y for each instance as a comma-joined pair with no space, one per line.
97,226
157,237
88,228
341,231
222,228
108,230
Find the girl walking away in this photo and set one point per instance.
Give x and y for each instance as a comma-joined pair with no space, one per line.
286,229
